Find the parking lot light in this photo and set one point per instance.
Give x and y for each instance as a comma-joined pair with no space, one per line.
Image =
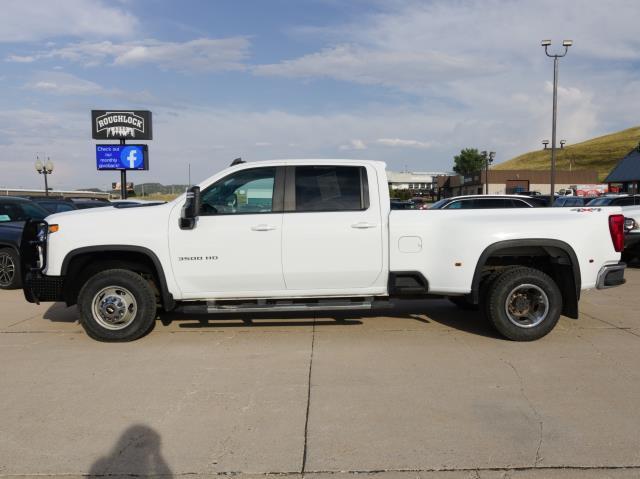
546,44
44,169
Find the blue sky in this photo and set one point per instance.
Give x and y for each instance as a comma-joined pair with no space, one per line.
407,82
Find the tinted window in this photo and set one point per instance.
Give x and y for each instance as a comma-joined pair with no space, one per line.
492,203
330,188
55,206
599,202
515,203
626,201
246,191
21,211
438,204
458,205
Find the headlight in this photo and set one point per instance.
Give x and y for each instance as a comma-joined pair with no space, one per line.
630,224
41,235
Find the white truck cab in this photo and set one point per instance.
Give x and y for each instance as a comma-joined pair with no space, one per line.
316,234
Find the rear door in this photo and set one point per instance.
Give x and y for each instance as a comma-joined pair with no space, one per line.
332,228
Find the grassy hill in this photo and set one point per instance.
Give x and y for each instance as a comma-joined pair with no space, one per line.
600,154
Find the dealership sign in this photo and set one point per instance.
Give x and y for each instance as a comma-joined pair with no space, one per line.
122,157
121,124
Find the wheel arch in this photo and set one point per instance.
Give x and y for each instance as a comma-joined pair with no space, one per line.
141,258
562,259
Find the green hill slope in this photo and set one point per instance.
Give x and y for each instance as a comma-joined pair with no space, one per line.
600,154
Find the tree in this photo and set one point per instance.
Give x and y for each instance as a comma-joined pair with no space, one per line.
469,161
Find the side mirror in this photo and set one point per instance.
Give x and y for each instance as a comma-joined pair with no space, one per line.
191,209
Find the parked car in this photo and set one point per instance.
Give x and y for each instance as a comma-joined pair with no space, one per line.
567,201
86,203
246,240
136,202
402,204
14,212
54,205
472,202
617,200
632,233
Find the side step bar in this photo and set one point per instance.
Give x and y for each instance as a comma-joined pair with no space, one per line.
264,305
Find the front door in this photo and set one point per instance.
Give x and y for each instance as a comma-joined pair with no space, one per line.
235,247
332,229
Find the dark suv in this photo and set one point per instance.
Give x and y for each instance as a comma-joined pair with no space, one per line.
486,202
623,200
14,212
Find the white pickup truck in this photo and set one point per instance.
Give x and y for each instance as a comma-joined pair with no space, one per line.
316,234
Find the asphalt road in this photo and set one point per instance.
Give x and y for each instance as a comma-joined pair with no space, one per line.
422,390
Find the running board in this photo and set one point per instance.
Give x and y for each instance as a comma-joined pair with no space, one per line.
261,306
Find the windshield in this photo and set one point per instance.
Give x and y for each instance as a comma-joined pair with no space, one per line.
438,204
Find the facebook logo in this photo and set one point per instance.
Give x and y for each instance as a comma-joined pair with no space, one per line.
122,157
131,157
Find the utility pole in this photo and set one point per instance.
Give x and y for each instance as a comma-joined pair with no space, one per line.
566,44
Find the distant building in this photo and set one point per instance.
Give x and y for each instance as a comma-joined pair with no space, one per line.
419,183
511,182
626,174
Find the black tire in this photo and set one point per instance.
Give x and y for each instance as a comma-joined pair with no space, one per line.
116,292
487,284
531,291
10,272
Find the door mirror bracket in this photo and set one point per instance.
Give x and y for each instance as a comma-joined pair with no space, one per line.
191,209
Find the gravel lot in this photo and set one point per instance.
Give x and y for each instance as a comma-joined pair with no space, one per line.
422,390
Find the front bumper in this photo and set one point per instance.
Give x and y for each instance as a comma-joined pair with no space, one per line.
33,256
38,287
611,275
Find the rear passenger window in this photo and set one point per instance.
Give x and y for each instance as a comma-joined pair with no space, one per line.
493,203
331,188
515,203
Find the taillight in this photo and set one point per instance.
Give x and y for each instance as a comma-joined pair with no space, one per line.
616,228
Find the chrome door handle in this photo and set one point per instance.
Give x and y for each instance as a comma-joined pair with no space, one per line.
263,227
363,225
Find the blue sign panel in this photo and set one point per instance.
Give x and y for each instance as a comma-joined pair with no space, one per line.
122,157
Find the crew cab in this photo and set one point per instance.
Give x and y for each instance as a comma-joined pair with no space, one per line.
293,235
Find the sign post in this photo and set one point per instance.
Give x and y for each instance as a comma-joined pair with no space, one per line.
121,125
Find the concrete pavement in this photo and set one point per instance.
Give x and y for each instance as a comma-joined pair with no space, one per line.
422,390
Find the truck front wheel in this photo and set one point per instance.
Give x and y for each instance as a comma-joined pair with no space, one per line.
117,305
523,304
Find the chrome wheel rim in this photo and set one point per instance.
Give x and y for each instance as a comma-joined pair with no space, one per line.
527,305
7,269
114,307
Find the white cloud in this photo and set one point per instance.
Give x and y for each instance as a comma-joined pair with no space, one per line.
34,20
353,145
203,54
397,142
61,83
408,69
20,58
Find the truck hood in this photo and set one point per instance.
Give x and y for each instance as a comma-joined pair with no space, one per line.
100,212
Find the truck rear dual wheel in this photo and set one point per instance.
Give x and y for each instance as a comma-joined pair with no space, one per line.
523,304
117,305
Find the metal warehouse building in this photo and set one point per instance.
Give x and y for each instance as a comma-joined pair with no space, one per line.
626,173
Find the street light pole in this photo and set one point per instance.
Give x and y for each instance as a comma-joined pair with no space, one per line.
488,160
566,44
44,169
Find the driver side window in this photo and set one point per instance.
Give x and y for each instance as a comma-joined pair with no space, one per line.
244,192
